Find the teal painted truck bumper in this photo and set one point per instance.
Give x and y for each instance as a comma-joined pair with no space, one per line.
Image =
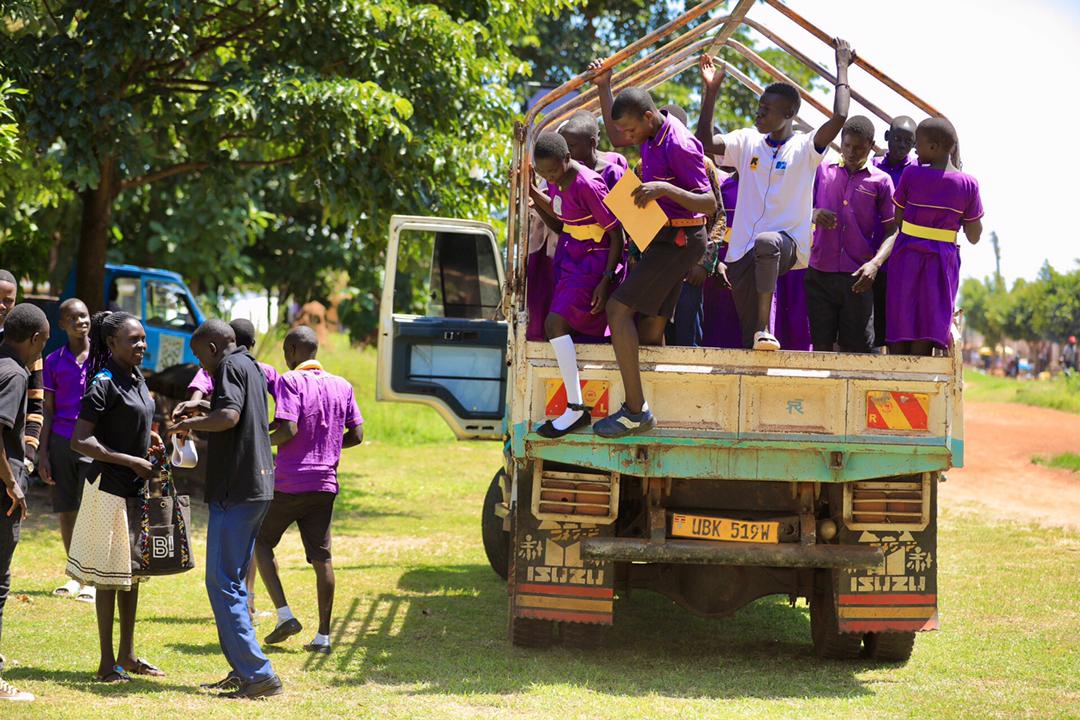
767,457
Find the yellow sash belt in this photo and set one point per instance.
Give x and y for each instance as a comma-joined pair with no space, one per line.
585,232
928,233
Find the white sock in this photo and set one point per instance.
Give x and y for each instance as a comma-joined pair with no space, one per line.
567,359
320,639
284,614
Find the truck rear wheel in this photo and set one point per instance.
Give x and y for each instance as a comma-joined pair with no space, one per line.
529,632
829,642
582,636
496,540
889,646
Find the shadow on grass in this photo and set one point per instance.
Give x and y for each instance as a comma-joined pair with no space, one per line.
445,631
84,680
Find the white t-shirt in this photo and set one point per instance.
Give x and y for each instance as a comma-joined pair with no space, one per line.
776,189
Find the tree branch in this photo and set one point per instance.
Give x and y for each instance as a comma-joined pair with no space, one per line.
187,167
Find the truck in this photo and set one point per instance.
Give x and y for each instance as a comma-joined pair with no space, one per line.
808,475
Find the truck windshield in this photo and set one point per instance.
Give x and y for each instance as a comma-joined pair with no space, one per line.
167,306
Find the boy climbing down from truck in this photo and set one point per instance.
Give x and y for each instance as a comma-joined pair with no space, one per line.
933,202
590,248
673,174
776,168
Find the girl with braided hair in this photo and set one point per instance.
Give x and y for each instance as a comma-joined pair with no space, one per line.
114,430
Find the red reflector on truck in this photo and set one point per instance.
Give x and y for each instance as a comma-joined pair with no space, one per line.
897,410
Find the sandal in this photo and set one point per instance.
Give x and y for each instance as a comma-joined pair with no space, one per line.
88,594
550,432
144,668
68,589
116,675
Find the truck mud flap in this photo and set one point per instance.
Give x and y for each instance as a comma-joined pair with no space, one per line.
899,517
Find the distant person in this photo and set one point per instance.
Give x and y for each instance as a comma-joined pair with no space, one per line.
590,250
239,488
673,175
316,416
776,169
27,331
114,430
62,467
202,385
854,214
1069,355
35,393
934,202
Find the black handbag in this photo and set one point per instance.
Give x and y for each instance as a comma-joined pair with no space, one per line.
158,527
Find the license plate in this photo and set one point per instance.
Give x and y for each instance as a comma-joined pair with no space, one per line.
713,528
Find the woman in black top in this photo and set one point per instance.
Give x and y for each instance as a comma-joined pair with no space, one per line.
114,430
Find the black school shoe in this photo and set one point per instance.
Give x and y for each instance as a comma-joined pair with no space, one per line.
256,690
229,683
549,431
283,632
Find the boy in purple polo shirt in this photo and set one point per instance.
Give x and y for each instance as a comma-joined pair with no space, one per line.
64,380
853,215
934,201
776,169
316,417
202,385
673,174
901,139
589,251
582,135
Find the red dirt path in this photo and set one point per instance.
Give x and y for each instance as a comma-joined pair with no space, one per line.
1001,440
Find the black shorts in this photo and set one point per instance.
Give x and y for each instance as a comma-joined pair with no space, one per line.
838,316
68,470
656,280
312,512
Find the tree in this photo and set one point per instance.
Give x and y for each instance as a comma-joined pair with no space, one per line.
346,98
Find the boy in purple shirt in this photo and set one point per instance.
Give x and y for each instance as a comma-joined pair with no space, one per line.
202,385
776,169
590,248
316,417
853,215
934,201
64,381
901,139
673,174
582,135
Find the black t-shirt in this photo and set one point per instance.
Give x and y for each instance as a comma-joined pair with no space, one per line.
13,382
240,465
120,406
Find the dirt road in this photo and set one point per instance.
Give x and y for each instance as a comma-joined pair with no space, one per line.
1001,439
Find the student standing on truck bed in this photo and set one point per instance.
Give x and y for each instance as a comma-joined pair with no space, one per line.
776,169
590,249
61,466
673,174
35,393
317,416
854,228
934,201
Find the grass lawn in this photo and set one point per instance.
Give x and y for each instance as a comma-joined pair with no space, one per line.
1059,393
1064,461
420,624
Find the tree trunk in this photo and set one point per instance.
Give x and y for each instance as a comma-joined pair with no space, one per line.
94,238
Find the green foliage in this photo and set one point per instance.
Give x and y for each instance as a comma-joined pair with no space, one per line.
1061,392
1064,461
1047,308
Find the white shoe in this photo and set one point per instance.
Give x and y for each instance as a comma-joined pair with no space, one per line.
766,341
10,693
88,594
69,589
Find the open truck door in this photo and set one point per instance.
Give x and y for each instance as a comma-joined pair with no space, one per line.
442,340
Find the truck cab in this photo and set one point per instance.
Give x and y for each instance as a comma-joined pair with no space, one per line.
807,475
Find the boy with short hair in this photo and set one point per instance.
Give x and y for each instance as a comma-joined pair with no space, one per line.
673,174
582,135
61,467
776,169
853,212
202,385
26,332
317,416
35,393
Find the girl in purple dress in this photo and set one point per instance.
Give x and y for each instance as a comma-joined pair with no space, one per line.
933,202
589,251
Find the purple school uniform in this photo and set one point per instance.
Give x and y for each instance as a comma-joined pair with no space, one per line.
720,324
580,264
862,202
895,171
675,156
65,378
539,277
924,273
614,166
791,323
323,407
205,383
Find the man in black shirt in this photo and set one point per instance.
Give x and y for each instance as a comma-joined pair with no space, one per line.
239,487
35,391
27,331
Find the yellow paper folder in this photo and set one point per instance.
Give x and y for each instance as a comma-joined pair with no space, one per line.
641,223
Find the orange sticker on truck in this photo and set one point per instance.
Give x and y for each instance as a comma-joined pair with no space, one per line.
594,393
887,410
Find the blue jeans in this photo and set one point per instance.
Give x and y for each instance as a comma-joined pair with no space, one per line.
686,328
230,541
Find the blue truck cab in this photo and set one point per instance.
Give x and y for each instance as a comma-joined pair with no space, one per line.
159,298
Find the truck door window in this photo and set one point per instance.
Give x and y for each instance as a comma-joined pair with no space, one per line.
167,306
446,274
124,296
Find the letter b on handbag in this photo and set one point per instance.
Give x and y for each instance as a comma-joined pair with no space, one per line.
159,530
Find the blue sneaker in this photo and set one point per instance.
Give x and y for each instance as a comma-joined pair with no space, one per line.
625,423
